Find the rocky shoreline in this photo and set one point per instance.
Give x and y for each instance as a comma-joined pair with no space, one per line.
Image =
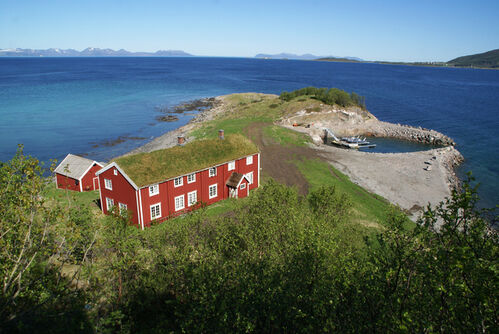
410,180
354,121
210,107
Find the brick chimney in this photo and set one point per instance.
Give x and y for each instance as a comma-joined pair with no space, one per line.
180,140
221,134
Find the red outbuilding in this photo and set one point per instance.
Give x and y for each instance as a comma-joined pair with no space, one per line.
77,173
164,183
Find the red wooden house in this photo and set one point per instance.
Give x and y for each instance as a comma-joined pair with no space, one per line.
77,173
157,185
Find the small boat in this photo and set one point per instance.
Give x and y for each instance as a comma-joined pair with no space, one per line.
348,142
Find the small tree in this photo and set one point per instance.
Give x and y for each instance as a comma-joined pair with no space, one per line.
32,285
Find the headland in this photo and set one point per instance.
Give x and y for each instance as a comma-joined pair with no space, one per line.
410,180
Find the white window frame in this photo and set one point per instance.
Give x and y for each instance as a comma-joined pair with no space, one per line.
250,177
178,181
155,216
189,202
191,178
115,172
215,186
123,208
231,165
109,206
249,160
214,170
108,184
242,186
154,190
178,207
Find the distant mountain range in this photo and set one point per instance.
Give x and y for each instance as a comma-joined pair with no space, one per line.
306,56
488,59
89,52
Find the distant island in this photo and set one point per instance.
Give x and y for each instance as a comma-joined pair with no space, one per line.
489,59
89,52
306,56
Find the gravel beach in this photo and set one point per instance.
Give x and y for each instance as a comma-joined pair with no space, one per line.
409,180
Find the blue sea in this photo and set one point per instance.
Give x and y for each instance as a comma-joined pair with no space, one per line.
59,105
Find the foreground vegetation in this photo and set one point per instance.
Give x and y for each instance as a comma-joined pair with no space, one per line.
278,263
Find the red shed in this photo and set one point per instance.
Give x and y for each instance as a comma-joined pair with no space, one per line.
164,183
77,173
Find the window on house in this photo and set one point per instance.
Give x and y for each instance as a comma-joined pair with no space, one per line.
108,184
213,191
179,202
249,160
191,178
232,165
109,203
179,181
77,182
213,171
115,172
250,177
123,208
192,198
155,211
242,186
153,190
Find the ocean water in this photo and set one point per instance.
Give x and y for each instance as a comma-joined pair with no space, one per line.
58,105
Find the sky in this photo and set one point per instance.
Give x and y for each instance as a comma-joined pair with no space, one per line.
392,30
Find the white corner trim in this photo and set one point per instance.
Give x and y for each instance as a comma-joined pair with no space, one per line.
141,217
89,168
114,164
100,195
258,185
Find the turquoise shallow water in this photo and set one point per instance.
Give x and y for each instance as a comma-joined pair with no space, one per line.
59,105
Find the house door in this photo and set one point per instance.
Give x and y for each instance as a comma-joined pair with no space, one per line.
233,192
96,183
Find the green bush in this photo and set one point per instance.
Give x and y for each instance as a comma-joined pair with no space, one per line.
330,96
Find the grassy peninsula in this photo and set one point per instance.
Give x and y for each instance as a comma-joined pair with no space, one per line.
309,251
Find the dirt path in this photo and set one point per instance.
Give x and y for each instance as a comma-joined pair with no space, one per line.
277,160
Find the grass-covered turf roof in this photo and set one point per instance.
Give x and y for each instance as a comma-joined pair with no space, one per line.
149,168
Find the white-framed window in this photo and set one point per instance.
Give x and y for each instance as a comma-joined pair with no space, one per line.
178,181
179,202
123,208
191,178
154,189
242,186
250,177
108,184
213,191
192,198
212,171
156,211
249,160
232,165
115,171
109,203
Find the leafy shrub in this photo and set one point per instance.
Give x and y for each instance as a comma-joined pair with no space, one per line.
330,96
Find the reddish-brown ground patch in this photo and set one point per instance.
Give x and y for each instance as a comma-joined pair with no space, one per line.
277,160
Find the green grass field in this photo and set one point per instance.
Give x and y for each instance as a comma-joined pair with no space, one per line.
369,210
